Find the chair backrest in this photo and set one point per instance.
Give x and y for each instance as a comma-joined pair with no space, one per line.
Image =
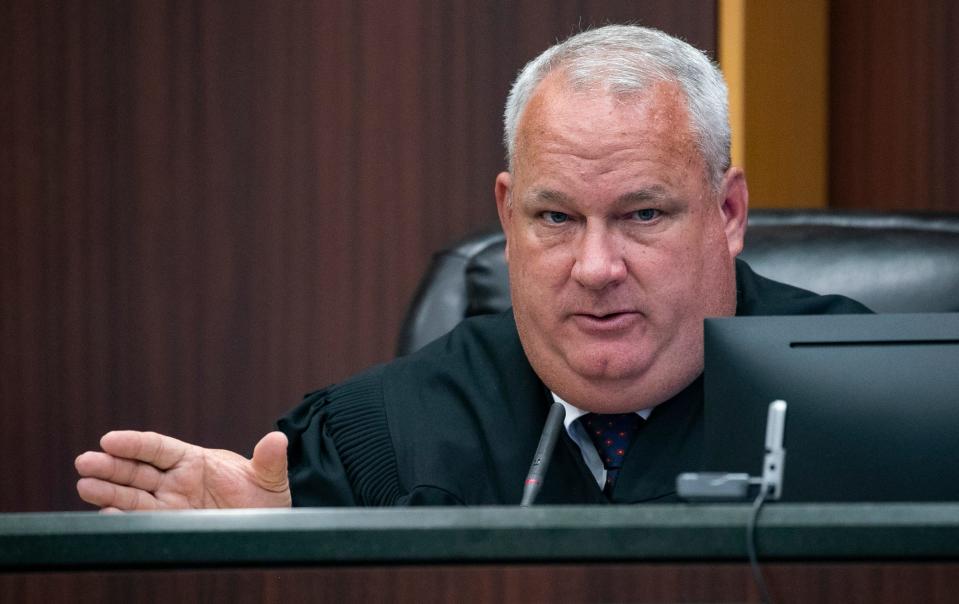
891,262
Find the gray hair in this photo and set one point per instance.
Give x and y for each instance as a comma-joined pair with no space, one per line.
625,59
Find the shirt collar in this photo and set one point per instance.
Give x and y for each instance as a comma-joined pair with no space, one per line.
573,413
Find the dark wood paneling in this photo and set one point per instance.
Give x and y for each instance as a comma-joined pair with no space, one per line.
894,91
889,583
211,207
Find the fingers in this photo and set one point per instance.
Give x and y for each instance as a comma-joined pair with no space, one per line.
155,449
269,461
119,471
116,480
108,495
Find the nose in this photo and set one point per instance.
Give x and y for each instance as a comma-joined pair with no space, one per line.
599,259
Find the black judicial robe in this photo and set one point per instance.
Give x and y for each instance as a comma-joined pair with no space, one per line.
457,423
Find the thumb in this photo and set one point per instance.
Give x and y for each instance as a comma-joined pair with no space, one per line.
269,461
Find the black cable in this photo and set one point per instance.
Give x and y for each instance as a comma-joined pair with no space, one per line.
751,546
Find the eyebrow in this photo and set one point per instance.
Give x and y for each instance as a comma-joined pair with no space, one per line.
549,195
643,195
650,193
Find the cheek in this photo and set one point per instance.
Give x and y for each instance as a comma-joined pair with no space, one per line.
716,278
538,266
537,279
671,265
675,275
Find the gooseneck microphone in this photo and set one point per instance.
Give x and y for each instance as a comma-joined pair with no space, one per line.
544,451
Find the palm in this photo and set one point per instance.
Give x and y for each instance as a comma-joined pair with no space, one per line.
210,478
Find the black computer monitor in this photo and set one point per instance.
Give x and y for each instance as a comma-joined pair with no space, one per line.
873,403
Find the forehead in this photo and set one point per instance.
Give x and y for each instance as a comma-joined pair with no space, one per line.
597,127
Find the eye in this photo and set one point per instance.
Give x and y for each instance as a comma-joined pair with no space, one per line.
646,214
555,217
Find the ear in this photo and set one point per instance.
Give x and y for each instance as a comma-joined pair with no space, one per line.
504,206
734,209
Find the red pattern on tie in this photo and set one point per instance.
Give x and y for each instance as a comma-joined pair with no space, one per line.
612,434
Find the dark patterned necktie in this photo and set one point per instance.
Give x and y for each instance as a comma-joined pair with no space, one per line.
612,434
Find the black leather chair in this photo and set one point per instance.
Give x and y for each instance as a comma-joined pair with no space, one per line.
891,262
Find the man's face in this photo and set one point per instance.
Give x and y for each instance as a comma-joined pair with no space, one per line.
617,246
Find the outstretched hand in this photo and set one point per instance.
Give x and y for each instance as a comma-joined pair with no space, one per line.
150,471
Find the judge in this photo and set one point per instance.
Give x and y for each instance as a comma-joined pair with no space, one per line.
623,219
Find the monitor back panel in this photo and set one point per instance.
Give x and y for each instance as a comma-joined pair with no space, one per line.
873,403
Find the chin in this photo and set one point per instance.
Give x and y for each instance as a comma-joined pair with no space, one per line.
632,377
607,367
